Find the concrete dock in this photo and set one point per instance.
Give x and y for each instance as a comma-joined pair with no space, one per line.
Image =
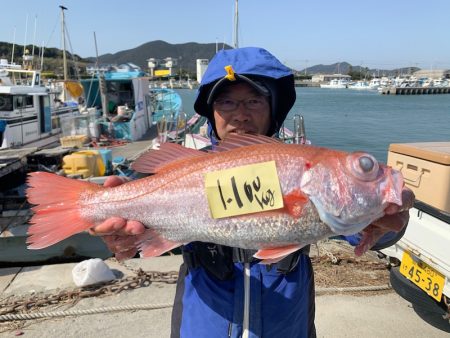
374,314
415,90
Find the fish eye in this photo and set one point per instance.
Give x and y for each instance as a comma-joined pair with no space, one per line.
364,166
366,163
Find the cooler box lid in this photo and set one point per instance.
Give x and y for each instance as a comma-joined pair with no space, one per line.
438,152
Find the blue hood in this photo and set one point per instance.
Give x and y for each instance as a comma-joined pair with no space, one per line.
257,64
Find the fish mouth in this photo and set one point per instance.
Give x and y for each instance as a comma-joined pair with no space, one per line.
342,226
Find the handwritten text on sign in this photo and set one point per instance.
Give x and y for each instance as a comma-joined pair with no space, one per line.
243,190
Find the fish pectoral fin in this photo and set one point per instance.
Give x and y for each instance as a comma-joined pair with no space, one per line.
272,261
274,255
294,202
152,244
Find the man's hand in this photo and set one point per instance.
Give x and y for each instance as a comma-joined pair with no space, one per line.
395,219
118,233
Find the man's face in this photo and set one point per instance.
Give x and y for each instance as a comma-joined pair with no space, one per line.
241,109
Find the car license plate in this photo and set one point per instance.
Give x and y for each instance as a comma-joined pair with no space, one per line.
423,275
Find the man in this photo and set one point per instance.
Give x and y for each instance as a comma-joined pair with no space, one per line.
223,291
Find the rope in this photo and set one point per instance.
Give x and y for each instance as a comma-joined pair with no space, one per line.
38,315
354,288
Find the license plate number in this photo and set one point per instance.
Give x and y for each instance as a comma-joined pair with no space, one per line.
423,275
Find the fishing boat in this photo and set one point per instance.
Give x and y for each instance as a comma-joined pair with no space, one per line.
360,85
121,96
29,114
165,102
336,84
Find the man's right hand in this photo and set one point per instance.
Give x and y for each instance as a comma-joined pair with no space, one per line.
118,233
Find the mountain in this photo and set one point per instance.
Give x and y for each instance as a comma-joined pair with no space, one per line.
335,68
6,49
186,54
346,68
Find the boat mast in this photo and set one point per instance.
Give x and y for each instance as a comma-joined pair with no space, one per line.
236,25
63,37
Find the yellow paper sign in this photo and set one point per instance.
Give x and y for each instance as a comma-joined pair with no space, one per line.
243,190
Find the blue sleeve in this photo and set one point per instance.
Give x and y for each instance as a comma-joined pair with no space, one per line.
388,239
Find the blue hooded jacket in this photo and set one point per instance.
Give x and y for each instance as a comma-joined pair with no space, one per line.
254,65
281,304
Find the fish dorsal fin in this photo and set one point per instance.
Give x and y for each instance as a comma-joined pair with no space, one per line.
240,140
154,160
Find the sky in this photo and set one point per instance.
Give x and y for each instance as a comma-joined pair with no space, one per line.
383,34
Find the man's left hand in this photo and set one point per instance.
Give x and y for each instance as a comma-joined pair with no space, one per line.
395,219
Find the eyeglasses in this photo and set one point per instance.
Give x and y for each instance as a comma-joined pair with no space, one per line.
227,105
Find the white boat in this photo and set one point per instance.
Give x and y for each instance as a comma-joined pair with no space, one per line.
375,83
360,85
196,136
29,115
336,83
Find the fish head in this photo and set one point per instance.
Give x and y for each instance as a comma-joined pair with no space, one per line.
351,191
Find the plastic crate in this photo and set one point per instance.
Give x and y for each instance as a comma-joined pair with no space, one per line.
73,141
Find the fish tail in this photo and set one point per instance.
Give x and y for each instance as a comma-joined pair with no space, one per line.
57,210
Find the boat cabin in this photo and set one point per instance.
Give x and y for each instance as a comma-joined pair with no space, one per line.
28,113
122,97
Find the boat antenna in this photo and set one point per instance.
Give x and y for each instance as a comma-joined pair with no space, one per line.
236,25
42,55
34,35
25,40
299,130
101,83
96,52
13,46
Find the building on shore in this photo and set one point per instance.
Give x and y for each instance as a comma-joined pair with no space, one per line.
321,78
202,64
433,73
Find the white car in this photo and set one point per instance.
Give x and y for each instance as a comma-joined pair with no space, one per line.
420,260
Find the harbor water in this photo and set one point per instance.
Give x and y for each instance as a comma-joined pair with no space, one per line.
364,120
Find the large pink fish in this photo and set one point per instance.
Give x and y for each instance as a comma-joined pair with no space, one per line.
325,192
